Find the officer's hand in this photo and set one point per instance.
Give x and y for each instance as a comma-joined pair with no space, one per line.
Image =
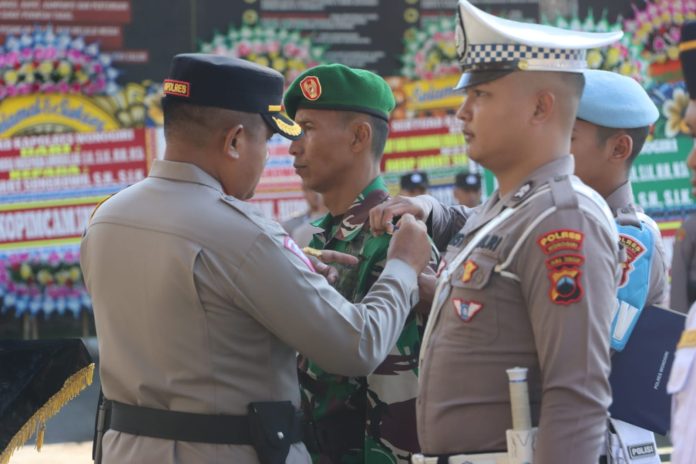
324,258
410,243
382,215
427,281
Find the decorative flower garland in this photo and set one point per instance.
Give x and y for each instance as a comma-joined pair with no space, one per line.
431,51
46,62
46,280
656,29
285,51
622,57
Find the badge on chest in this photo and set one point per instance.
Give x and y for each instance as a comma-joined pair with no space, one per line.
466,310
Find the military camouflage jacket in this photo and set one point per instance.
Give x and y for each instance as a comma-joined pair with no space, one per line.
384,400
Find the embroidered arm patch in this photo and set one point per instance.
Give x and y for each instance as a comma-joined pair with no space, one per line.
564,270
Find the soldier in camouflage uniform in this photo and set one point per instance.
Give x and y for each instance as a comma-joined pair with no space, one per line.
344,113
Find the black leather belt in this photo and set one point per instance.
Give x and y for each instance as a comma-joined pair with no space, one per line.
185,426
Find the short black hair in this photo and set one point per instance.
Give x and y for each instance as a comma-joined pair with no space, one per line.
198,122
576,81
380,132
638,135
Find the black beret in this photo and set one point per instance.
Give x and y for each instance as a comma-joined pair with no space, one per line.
414,180
468,181
231,84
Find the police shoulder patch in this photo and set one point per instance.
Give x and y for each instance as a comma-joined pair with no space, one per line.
561,239
564,272
634,248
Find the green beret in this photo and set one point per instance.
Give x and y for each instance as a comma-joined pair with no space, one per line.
338,87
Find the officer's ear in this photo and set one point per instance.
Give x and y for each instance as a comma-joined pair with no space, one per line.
362,135
232,140
545,101
623,146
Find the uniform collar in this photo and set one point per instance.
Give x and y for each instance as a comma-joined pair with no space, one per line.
621,198
623,208
183,172
348,225
563,166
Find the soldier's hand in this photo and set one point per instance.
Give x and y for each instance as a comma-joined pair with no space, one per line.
382,215
410,243
322,260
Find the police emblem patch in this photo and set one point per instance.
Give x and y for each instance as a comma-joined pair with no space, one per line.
311,87
634,249
561,239
294,248
469,269
564,274
466,310
176,88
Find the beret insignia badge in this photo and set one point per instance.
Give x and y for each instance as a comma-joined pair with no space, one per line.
311,88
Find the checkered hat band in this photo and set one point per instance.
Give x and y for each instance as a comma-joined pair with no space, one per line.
500,53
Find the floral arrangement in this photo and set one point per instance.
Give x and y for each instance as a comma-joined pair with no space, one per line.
46,280
656,29
46,62
672,101
285,51
135,105
622,57
431,51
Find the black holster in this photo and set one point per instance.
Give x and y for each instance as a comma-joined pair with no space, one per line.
270,427
273,427
101,425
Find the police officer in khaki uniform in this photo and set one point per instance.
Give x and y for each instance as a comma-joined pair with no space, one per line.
201,303
530,280
613,121
682,380
683,289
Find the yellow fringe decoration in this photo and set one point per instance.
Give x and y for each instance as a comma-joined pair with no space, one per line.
37,422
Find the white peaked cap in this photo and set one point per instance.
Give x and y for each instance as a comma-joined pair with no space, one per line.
490,47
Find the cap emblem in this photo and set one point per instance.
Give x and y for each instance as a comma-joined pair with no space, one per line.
311,87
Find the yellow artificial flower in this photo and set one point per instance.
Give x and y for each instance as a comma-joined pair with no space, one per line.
594,59
25,271
613,57
44,277
674,110
75,273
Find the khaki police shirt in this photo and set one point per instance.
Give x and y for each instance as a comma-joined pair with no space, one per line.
201,305
627,212
537,292
683,290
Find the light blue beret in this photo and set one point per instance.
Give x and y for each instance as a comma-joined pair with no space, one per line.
615,101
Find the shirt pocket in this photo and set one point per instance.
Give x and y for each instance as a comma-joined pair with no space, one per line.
473,301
